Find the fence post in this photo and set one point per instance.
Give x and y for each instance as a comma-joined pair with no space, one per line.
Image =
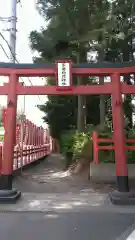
95,147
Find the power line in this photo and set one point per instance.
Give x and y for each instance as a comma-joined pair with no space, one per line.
13,30
7,45
4,51
15,58
12,52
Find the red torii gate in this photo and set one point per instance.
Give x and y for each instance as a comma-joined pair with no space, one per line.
63,70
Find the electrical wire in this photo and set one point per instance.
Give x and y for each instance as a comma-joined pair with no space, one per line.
4,51
15,59
22,121
2,36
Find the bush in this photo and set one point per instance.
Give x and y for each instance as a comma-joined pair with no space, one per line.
78,146
66,142
66,146
82,147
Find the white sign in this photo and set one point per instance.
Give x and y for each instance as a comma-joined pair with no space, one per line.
64,74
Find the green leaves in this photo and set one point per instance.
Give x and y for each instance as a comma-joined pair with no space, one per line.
74,28
76,143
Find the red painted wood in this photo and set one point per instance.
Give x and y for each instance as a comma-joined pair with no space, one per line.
106,147
130,140
41,72
118,126
131,148
10,130
51,90
4,89
76,90
107,140
45,72
102,71
127,89
95,147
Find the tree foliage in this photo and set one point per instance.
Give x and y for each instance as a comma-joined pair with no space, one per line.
62,111
75,28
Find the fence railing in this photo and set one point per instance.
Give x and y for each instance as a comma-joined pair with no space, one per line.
27,155
97,147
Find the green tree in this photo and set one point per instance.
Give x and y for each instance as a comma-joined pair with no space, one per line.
65,35
108,28
123,49
57,40
61,111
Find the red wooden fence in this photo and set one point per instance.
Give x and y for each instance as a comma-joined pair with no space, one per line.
96,145
32,143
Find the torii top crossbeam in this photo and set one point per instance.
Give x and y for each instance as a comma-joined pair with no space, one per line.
86,69
31,70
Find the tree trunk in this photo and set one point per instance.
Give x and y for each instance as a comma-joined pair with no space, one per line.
81,113
102,97
81,119
127,56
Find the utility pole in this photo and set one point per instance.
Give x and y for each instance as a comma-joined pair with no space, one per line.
13,31
12,43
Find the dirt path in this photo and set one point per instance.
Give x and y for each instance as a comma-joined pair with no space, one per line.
50,177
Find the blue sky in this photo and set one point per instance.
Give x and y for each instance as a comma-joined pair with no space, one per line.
28,20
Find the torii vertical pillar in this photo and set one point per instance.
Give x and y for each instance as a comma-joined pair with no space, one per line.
7,194
122,195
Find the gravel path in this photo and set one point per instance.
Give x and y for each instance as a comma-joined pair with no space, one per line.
49,176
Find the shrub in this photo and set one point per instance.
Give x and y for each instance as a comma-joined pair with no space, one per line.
76,146
79,146
67,141
82,147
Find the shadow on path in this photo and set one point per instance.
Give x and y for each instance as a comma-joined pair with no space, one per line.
49,176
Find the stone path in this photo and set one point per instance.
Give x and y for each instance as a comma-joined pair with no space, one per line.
50,177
